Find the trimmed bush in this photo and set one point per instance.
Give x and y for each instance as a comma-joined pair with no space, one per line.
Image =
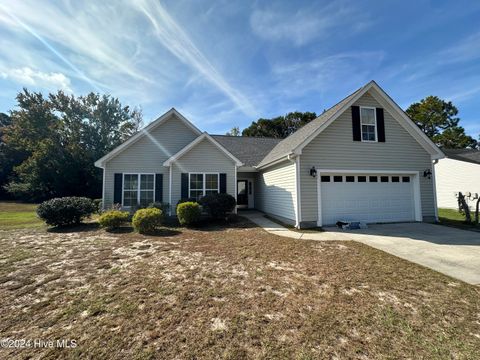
218,206
189,213
186,200
147,220
113,219
65,211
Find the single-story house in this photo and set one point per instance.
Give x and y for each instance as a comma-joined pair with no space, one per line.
363,159
458,172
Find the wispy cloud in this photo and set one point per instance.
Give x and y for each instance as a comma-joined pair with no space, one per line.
90,31
50,48
30,77
177,41
467,49
303,25
443,61
464,94
345,70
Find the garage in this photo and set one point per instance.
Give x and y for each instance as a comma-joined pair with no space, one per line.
369,197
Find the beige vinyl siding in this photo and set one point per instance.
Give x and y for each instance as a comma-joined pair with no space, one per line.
334,148
276,193
203,158
148,154
453,176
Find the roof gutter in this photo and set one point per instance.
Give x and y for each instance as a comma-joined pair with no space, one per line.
290,157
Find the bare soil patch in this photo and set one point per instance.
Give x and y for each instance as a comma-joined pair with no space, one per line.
219,292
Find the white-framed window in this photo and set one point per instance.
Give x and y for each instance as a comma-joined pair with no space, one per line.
201,184
368,121
138,189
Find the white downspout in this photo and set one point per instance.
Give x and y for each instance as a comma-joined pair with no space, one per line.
435,189
296,160
236,190
170,189
103,187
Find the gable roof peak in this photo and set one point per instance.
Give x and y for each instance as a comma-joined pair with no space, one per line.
294,143
147,129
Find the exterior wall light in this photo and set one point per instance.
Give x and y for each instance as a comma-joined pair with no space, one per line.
313,172
427,173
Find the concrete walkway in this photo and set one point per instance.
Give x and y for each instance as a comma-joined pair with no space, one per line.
277,229
451,251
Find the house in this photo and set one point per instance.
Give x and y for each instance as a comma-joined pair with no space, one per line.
459,171
363,159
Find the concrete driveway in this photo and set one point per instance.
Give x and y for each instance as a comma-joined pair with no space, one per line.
448,250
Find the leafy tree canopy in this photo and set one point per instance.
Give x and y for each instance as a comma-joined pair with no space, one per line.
455,138
235,131
438,120
279,127
55,141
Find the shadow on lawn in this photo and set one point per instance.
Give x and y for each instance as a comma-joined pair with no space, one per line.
171,227
233,222
83,227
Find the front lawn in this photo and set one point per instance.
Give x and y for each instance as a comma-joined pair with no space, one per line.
219,292
17,215
451,217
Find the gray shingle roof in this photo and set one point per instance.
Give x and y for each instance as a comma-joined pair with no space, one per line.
286,146
468,155
249,150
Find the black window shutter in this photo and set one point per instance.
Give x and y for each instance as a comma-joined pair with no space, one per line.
159,187
117,188
357,133
380,125
184,186
223,183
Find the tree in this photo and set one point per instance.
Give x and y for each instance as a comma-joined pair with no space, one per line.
279,127
438,120
59,138
235,131
8,157
455,138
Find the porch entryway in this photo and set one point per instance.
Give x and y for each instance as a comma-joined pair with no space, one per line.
245,190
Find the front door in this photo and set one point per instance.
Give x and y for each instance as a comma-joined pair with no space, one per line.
242,193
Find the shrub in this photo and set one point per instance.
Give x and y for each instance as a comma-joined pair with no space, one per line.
147,220
98,205
189,213
165,207
65,211
113,218
218,205
186,200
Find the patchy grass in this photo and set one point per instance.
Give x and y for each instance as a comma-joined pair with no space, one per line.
17,215
234,293
451,217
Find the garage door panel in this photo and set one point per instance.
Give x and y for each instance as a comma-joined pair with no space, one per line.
367,201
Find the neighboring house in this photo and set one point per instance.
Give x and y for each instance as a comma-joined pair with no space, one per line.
363,159
458,172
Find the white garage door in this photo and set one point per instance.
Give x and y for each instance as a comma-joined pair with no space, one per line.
370,198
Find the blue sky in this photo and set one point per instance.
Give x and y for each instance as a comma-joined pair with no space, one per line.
227,63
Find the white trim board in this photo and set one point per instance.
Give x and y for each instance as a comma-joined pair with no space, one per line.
194,143
298,212
149,128
415,182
